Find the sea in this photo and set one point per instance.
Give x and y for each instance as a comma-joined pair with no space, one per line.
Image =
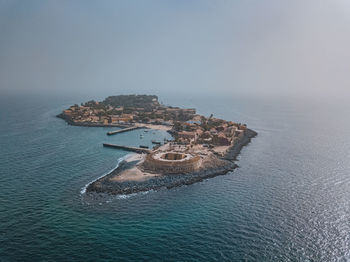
289,200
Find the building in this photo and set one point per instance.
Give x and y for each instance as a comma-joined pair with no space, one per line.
187,135
171,163
221,140
120,119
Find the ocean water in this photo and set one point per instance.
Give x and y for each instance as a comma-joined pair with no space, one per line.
288,201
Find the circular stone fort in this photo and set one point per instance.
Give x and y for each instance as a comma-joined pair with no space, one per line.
171,162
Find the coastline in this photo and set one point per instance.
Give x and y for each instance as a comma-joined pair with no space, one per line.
202,147
120,160
109,183
88,124
69,121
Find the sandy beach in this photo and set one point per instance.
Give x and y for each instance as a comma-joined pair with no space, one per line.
151,126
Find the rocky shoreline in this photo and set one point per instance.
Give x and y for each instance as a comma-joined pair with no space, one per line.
215,167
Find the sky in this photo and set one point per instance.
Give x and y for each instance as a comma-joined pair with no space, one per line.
265,47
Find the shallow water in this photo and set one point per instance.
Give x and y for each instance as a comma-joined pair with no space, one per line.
288,201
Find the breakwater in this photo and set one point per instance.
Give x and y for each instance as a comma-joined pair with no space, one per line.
123,130
129,148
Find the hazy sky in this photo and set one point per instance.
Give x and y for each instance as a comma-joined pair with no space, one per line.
110,47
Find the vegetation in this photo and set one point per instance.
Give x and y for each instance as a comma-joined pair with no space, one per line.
138,101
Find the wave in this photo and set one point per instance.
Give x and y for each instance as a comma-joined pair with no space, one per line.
134,194
83,190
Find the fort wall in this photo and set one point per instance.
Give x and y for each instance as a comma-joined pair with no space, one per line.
157,163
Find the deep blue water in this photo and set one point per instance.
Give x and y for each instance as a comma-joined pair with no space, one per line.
288,201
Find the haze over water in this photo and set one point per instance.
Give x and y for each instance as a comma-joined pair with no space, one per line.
280,67
271,48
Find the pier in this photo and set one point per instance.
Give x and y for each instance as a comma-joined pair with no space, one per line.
129,148
123,130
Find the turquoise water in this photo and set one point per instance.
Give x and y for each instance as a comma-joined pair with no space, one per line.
288,201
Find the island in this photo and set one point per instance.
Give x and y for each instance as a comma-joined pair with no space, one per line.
202,147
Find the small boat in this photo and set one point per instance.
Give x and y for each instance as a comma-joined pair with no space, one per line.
141,146
156,142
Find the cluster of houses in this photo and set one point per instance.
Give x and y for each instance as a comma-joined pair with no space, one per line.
187,126
209,132
86,114
95,113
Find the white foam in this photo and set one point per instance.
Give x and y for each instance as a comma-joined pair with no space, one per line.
133,194
83,190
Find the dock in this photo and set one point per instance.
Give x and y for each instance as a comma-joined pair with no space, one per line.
123,130
129,148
